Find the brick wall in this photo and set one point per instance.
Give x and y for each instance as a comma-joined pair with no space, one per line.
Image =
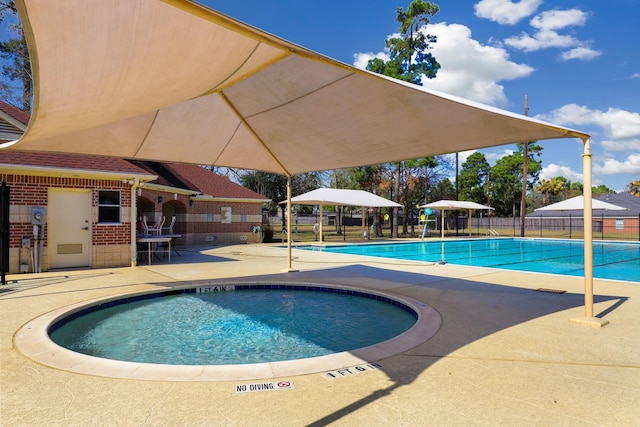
31,191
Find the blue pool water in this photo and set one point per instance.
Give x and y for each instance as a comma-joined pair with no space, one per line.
620,261
234,327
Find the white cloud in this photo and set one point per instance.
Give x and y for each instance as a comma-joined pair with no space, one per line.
469,69
635,76
553,170
617,124
360,60
629,145
621,148
492,157
547,24
540,40
552,20
584,53
506,12
630,165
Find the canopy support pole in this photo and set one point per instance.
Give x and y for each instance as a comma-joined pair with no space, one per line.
320,224
442,223
289,216
134,222
588,319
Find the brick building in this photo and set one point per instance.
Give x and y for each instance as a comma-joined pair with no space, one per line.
91,205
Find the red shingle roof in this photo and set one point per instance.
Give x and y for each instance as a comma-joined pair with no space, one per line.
21,116
69,161
210,183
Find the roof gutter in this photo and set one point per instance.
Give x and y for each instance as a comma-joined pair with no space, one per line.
206,198
73,173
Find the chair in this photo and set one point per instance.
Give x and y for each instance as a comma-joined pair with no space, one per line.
172,235
172,224
145,226
156,230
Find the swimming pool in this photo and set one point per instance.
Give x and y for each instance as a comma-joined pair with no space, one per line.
618,261
240,325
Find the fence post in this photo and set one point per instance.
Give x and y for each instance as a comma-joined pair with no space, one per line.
570,226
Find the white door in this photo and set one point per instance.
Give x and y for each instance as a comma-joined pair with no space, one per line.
69,228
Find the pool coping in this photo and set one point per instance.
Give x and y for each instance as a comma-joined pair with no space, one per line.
32,340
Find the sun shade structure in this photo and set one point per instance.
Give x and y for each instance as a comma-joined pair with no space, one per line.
454,205
175,81
577,203
341,197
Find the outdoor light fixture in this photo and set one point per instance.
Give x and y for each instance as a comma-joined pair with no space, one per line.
159,199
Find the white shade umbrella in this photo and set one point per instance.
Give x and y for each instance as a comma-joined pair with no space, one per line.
577,203
454,205
341,197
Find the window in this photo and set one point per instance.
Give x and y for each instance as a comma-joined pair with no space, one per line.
108,206
225,215
619,223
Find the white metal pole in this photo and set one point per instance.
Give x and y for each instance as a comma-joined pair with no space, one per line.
589,319
289,256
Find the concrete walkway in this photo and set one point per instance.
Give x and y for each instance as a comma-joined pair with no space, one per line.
504,354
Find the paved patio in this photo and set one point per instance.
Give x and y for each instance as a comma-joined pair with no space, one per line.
504,354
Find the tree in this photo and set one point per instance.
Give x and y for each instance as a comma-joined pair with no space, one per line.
409,60
634,187
473,178
551,187
370,178
506,179
18,64
274,186
418,176
601,189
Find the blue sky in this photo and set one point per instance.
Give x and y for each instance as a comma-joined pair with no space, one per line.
576,61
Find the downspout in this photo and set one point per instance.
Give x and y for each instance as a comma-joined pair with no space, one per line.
133,214
588,319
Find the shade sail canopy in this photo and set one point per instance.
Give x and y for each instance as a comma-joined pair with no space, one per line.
577,203
454,204
340,197
175,81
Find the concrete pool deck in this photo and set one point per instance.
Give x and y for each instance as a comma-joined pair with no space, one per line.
504,354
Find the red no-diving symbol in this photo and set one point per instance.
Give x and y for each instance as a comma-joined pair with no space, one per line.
284,384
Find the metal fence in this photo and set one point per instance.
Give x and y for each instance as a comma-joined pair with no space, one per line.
604,228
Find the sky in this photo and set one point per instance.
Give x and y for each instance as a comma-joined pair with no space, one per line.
576,62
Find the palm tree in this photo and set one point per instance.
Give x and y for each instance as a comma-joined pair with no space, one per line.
551,186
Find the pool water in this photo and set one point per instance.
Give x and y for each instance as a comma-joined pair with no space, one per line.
619,261
233,327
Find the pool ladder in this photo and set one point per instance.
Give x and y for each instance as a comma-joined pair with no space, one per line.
284,234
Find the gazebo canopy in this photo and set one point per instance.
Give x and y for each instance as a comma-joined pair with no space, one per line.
577,204
341,197
453,205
